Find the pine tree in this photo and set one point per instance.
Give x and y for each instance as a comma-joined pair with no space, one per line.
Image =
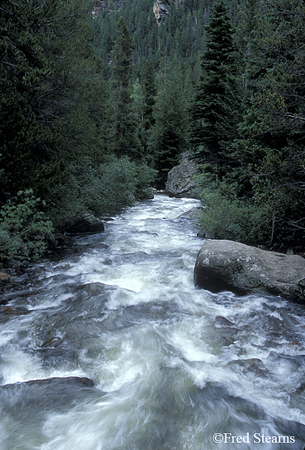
213,110
276,118
246,41
138,109
150,92
49,76
24,71
168,140
123,134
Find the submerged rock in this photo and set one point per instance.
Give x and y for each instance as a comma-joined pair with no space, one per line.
228,265
7,312
46,392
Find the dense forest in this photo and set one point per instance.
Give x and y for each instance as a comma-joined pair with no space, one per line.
95,109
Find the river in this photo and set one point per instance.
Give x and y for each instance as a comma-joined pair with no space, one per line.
121,352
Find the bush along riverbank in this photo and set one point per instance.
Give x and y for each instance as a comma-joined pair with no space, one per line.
31,227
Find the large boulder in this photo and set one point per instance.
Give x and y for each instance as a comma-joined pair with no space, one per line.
227,265
180,180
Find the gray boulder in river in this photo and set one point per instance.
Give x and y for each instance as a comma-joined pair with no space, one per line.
180,180
227,265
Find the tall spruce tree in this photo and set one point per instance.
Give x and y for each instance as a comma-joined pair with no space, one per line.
124,126
46,64
150,92
213,110
168,140
276,119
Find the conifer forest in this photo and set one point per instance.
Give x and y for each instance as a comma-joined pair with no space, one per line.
99,100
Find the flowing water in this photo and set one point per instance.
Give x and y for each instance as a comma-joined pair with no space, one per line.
121,352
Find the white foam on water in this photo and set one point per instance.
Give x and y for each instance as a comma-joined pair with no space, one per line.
154,346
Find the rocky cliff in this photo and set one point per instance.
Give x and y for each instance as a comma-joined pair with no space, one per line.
161,9
100,5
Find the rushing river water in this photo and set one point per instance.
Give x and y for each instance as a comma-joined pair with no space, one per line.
121,352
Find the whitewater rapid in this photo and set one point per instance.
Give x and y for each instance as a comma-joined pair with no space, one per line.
119,350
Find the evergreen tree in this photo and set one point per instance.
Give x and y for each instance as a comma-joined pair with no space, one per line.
123,134
150,92
52,104
244,149
276,121
138,108
246,41
214,111
168,141
24,73
47,65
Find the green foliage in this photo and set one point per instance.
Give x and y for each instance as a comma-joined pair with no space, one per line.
145,179
277,182
24,228
272,131
49,75
76,91
122,181
169,133
101,190
150,92
262,197
228,217
138,108
123,139
214,110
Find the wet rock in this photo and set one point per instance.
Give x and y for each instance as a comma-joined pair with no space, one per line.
53,342
4,276
56,351
223,321
180,180
226,265
252,365
6,312
45,392
194,213
87,224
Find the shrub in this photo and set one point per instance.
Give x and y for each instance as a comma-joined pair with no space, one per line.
112,186
145,179
123,181
227,217
117,184
24,228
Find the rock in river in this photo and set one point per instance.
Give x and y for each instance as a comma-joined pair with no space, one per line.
87,223
180,180
227,265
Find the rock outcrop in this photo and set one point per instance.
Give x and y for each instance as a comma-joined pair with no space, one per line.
227,265
161,9
100,5
180,180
